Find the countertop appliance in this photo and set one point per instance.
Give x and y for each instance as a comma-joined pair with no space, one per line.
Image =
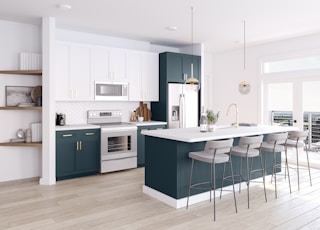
60,119
118,140
183,109
111,91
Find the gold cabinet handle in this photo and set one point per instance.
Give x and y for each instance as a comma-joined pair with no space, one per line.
77,145
90,134
67,135
80,145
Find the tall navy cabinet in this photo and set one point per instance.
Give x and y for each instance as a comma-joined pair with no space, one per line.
173,67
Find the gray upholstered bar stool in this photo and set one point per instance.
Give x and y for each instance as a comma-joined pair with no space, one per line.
297,140
274,145
249,148
213,153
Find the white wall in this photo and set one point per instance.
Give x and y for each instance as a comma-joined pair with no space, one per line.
17,162
222,87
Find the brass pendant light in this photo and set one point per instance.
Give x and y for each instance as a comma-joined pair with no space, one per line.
192,80
244,86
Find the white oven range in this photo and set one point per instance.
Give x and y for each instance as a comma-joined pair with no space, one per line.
118,140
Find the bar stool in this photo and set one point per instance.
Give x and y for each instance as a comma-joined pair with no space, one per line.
213,153
249,147
296,140
274,145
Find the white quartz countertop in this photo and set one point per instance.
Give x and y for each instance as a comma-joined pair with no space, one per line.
145,123
222,132
76,127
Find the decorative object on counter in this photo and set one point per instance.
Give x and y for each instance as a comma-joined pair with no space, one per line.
28,135
19,95
143,111
212,119
244,86
140,119
133,116
60,119
203,121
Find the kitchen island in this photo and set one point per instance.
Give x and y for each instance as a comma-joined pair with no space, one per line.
167,165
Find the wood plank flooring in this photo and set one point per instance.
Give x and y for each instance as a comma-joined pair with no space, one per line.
116,201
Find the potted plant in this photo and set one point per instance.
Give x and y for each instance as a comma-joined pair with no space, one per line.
212,119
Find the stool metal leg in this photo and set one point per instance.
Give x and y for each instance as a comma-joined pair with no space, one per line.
191,171
308,167
287,168
234,192
214,190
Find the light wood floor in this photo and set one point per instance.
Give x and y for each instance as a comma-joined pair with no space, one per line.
116,201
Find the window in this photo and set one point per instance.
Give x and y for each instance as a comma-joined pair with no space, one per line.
293,64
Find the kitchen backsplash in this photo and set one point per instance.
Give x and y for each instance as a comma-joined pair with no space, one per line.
76,112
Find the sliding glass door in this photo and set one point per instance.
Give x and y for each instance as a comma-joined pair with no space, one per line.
293,102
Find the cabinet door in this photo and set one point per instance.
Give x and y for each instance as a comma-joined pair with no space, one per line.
65,154
80,73
141,146
100,64
174,69
187,61
117,65
150,77
62,84
88,155
141,142
134,70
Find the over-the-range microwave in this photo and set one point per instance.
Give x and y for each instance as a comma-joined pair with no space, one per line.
111,91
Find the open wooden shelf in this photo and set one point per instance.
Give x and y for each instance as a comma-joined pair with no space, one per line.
22,72
21,108
21,144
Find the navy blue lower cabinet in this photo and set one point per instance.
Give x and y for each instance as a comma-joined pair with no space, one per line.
141,142
77,153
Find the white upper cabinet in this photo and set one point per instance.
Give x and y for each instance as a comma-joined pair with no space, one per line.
150,76
117,65
143,75
134,70
109,64
73,72
62,67
78,66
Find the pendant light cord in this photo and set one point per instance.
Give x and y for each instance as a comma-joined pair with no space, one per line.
192,29
244,45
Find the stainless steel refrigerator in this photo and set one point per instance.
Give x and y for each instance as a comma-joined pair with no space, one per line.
182,106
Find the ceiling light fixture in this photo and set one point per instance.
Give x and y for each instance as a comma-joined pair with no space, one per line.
244,86
192,80
64,7
172,28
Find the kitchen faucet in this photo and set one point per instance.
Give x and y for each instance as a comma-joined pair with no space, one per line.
236,124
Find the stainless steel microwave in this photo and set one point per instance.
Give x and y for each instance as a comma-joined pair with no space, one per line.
111,91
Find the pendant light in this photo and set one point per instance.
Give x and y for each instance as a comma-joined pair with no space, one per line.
192,80
244,86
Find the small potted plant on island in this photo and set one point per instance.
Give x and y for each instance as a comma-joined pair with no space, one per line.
212,119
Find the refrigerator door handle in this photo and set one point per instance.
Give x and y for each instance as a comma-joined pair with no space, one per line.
182,119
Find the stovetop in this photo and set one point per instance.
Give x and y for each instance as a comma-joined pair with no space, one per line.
108,119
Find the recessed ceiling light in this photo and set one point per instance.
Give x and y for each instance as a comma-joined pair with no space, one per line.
171,28
64,7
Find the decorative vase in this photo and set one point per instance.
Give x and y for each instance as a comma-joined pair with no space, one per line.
211,127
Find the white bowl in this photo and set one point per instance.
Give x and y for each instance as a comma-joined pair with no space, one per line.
140,119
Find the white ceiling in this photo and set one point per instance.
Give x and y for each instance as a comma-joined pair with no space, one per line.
217,23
